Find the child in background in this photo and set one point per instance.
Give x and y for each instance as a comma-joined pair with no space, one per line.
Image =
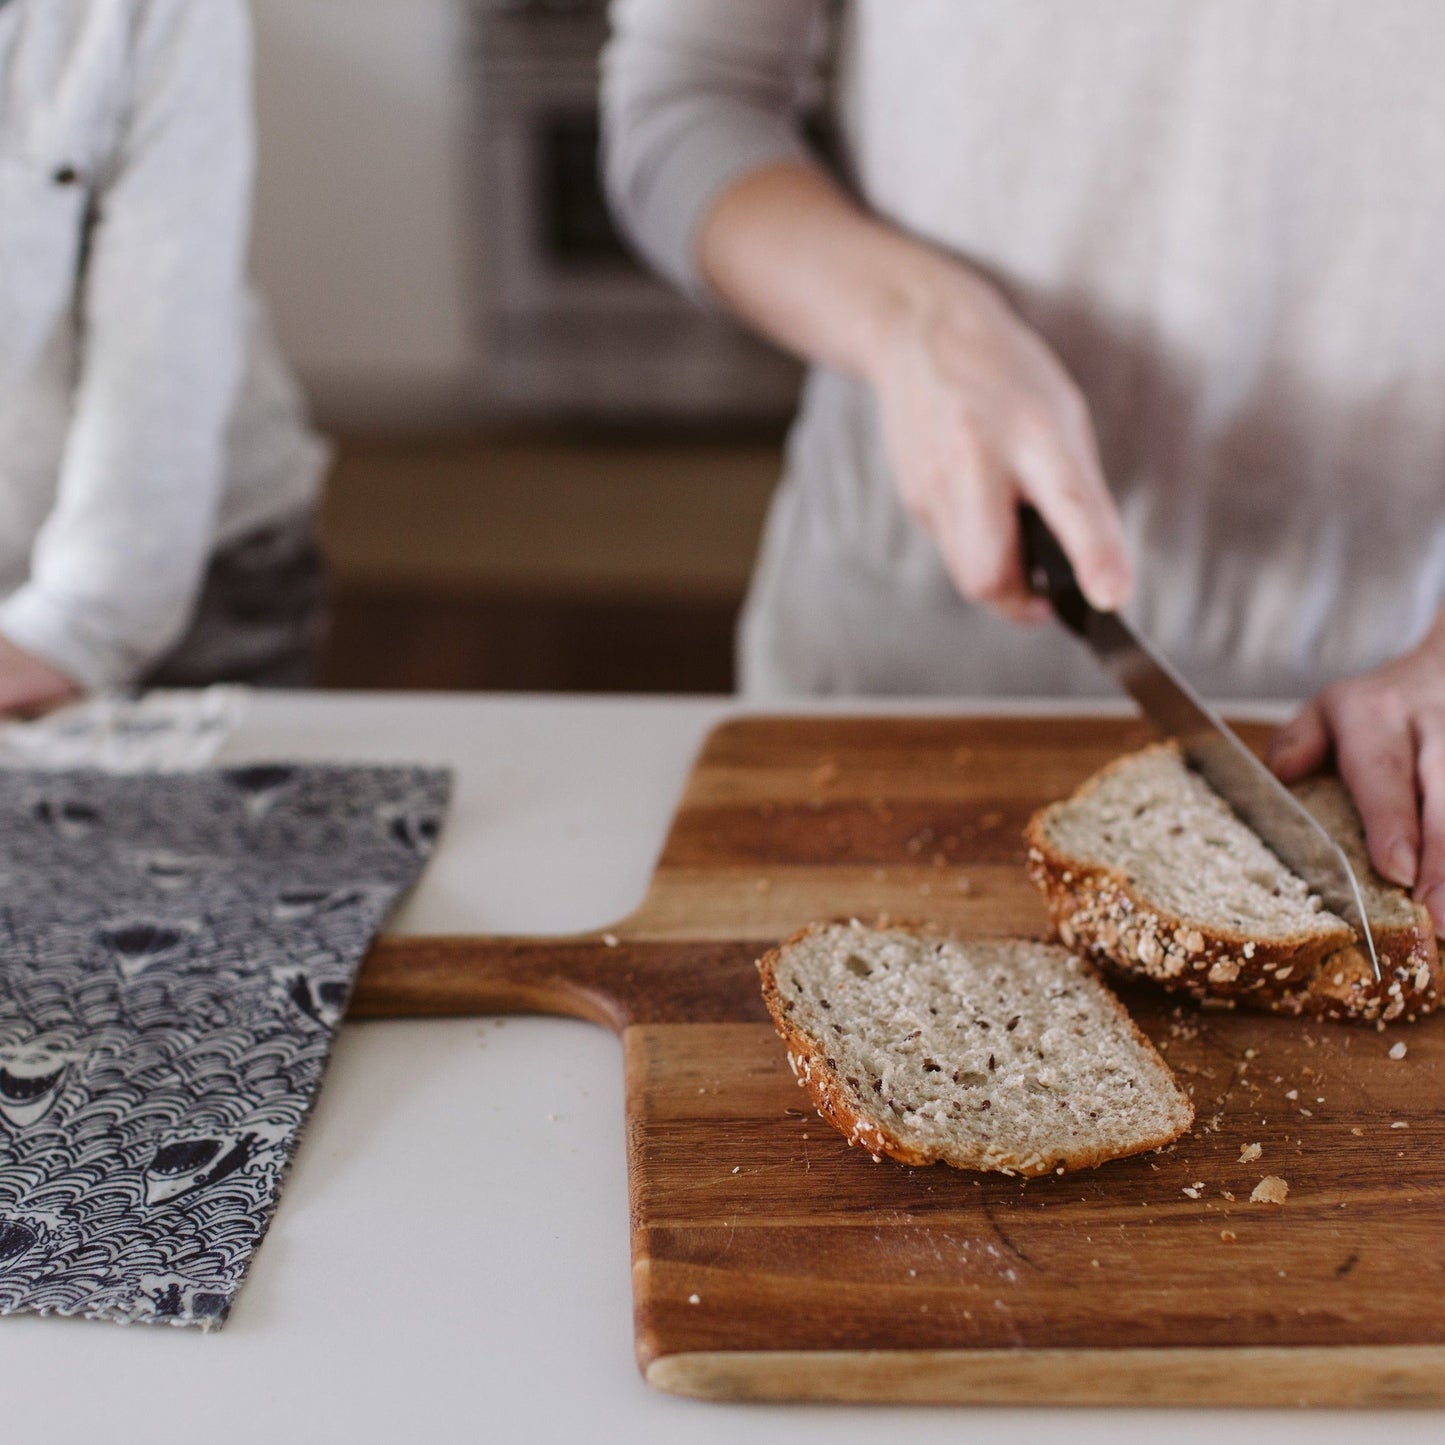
157,474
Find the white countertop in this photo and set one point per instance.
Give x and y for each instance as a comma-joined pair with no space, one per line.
450,1257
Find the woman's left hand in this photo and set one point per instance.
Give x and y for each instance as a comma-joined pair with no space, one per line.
29,685
1387,731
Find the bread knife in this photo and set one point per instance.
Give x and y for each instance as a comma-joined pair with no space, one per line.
1210,746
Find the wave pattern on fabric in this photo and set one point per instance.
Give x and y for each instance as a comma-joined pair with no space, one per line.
176,952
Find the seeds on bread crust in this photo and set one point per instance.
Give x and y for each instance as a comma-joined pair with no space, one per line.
1104,891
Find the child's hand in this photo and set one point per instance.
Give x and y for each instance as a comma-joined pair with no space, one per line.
29,685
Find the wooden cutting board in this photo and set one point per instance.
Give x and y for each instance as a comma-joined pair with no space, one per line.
771,1261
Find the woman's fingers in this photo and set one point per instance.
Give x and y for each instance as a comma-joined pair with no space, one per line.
1375,747
979,415
1060,474
1431,772
1301,746
978,534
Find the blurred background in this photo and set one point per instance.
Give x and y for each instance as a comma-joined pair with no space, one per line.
550,470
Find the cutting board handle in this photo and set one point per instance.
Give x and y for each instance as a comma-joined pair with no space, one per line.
616,982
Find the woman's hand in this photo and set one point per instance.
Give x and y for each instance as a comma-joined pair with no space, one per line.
1387,731
980,415
29,685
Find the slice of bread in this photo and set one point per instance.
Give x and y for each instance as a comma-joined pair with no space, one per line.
1147,867
998,1054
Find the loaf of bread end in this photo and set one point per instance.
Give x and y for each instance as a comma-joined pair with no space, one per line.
1146,868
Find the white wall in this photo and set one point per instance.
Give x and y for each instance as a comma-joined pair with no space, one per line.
359,237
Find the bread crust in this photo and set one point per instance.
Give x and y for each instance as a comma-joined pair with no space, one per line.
830,1094
1096,912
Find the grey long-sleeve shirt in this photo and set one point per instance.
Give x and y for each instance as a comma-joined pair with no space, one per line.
1228,219
145,415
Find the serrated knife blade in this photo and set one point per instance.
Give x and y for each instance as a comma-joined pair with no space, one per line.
1207,742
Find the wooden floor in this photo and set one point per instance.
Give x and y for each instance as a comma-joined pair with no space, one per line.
543,564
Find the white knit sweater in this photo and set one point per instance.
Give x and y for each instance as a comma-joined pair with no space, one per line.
145,415
1229,220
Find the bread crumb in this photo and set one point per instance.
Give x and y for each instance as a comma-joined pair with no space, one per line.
1227,1195
1291,1094
826,772
1192,1193
1250,1153
737,1168
1228,1236
1397,1051
1399,1124
1358,1133
1270,1190
610,939
694,1299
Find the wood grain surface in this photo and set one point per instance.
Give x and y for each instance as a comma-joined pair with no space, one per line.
770,1261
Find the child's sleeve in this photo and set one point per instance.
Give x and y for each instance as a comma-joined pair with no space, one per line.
118,564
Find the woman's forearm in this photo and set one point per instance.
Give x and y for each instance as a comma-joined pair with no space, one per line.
788,250
977,412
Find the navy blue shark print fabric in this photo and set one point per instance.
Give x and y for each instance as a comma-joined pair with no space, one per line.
176,952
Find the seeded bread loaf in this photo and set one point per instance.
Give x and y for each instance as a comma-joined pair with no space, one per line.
1005,1054
1147,868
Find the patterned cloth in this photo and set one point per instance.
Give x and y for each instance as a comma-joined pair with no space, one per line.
176,952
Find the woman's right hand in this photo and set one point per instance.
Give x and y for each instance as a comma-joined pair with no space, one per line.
978,416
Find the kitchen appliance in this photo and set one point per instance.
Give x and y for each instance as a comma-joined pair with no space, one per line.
568,322
771,1261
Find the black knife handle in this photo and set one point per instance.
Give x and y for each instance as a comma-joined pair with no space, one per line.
1049,572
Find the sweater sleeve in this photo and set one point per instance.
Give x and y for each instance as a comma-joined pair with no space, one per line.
695,94
117,565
